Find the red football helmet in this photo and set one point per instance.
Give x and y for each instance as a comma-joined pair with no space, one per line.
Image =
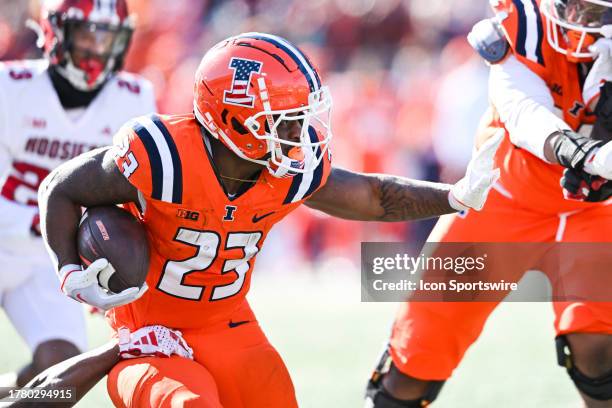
85,39
574,25
249,85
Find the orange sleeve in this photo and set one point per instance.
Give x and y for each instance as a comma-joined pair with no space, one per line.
132,159
506,12
524,29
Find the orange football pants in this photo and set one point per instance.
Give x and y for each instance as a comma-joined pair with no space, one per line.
233,367
428,339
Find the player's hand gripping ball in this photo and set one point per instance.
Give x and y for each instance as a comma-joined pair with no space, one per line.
114,251
114,234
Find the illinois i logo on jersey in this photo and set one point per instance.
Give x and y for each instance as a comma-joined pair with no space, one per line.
239,94
229,212
575,110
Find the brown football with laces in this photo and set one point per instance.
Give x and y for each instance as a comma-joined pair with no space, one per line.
111,232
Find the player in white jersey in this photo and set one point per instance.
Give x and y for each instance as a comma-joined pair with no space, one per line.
52,110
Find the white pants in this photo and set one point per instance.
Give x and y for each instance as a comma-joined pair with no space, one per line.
31,297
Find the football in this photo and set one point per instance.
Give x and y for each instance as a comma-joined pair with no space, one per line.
113,233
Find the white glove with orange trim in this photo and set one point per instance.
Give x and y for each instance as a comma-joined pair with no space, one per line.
152,341
83,286
472,190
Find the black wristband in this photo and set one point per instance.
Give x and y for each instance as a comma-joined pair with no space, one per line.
571,148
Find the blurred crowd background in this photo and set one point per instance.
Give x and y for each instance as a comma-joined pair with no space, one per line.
408,90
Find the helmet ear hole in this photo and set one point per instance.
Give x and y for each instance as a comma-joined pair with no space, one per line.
224,116
238,127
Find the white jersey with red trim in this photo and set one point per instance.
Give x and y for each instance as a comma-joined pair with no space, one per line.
37,134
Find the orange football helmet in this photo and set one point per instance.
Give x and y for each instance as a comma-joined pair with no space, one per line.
248,85
574,25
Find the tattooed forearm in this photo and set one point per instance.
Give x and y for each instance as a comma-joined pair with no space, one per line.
380,197
405,199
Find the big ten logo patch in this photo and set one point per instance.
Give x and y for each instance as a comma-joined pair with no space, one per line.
187,214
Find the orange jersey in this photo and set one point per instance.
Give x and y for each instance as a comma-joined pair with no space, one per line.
530,181
203,244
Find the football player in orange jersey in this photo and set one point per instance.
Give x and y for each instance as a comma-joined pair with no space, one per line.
208,186
548,59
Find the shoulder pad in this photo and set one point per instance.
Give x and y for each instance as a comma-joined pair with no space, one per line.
489,41
22,70
147,155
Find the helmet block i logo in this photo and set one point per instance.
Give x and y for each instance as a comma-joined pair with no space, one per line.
239,94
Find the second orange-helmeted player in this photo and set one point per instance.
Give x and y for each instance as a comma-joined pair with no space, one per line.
548,59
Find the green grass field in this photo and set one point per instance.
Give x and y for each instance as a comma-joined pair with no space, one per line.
330,342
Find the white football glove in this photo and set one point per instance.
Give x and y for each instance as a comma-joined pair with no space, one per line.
83,286
600,72
472,190
153,341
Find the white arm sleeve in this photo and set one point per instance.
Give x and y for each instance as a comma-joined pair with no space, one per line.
524,104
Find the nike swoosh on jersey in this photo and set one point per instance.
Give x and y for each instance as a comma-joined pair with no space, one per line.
257,219
236,324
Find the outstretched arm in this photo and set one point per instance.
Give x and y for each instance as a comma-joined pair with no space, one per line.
381,197
82,372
